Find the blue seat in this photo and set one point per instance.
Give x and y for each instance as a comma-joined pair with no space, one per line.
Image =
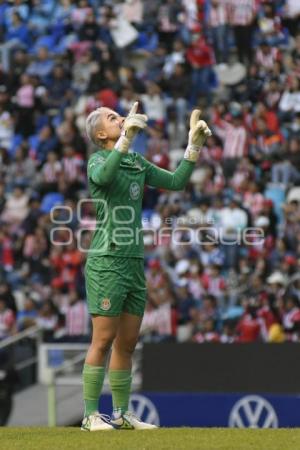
47,41
139,144
65,42
147,214
15,143
50,200
33,141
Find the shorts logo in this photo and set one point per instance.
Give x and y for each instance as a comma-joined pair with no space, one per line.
134,190
105,304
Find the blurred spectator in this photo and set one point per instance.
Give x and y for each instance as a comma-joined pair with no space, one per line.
25,100
89,30
153,103
59,89
185,304
82,72
234,135
288,171
177,56
155,63
77,318
269,25
18,31
177,90
16,207
201,58
7,294
208,334
232,218
292,14
159,322
42,65
289,102
218,25
249,327
266,57
27,317
7,320
47,320
6,120
168,20
242,17
205,321
23,170
46,142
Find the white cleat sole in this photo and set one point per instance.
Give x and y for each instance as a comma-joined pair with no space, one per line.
93,431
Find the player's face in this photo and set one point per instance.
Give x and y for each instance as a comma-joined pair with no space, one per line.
110,125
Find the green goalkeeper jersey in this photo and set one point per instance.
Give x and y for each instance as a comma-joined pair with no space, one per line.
116,183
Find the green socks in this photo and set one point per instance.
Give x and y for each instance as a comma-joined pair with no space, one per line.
120,383
93,378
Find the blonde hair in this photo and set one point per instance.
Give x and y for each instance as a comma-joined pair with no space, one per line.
91,125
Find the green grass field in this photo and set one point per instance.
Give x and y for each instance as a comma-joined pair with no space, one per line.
162,439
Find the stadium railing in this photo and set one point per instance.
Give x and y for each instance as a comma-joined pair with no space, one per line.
57,367
20,352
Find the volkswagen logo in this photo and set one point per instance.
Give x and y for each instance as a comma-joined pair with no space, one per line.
253,411
143,408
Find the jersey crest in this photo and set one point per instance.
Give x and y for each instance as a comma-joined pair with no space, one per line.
134,190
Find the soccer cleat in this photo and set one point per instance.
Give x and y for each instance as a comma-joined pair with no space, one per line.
96,422
128,421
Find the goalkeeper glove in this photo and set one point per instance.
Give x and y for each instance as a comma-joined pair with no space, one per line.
132,125
198,133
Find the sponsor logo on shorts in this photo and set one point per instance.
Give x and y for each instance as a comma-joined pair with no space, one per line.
105,304
134,190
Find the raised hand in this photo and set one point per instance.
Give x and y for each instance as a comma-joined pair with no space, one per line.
134,122
132,125
198,133
199,130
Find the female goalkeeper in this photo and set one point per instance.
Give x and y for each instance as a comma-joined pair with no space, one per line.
114,271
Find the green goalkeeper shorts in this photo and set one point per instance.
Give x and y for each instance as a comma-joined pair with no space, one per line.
115,285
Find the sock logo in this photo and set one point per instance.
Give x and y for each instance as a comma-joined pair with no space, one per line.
105,304
127,425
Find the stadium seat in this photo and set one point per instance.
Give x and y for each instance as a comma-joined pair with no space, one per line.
47,41
50,200
16,141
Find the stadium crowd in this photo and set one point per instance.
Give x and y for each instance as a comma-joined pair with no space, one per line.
222,258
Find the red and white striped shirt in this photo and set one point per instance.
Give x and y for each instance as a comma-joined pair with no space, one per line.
218,15
77,319
234,139
51,171
267,60
216,286
290,317
72,168
158,320
242,12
